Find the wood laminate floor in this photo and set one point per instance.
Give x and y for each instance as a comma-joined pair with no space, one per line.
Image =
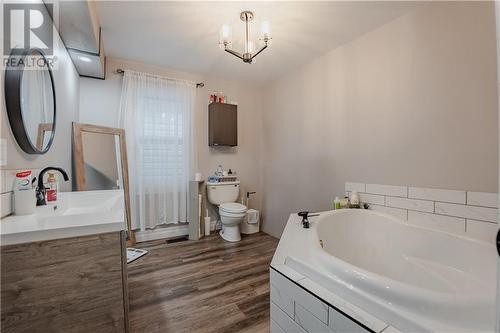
202,286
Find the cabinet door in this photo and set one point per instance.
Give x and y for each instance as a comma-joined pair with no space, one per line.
223,124
64,285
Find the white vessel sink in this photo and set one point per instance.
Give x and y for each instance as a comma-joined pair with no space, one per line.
75,214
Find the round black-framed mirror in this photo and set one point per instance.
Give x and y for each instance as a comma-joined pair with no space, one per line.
30,98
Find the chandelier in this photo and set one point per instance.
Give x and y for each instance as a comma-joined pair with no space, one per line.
249,53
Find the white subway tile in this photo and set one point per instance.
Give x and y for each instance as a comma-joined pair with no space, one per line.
309,322
372,198
275,328
437,195
484,231
5,204
482,199
396,212
283,321
454,225
392,190
413,204
282,300
338,322
390,329
298,295
10,176
3,185
469,212
358,187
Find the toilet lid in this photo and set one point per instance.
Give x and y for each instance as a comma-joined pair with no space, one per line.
233,207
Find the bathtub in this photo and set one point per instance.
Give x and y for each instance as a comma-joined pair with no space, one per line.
412,278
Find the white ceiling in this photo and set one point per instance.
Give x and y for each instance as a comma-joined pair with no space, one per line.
185,35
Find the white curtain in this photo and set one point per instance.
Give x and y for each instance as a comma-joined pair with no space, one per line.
157,114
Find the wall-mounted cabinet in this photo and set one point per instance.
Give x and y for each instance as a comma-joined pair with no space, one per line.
222,124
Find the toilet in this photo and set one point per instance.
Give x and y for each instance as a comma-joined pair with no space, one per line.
224,195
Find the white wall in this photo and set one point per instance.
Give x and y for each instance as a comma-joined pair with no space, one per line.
66,81
413,102
100,100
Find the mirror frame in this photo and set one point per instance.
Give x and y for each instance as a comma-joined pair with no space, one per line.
13,80
79,176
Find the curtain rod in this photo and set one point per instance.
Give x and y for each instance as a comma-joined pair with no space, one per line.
121,71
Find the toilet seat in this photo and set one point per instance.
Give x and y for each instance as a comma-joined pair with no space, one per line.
233,208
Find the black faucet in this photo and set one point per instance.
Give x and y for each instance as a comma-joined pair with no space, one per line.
305,221
41,190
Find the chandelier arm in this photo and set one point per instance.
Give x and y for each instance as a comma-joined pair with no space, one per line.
246,32
234,53
259,51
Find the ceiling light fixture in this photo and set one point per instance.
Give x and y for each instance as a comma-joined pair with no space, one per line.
248,55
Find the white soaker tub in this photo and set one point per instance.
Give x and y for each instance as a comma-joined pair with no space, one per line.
412,278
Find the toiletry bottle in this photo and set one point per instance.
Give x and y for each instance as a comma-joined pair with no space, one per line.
219,171
24,194
344,202
355,199
51,188
336,203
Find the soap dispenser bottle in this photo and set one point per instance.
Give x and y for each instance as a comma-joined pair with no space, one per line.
51,187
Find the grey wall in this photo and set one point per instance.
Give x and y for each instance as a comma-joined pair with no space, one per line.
67,87
413,102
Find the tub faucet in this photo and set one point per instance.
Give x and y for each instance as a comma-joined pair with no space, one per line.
41,190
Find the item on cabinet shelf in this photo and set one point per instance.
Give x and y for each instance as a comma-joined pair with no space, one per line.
51,188
224,173
230,172
336,203
198,177
354,203
207,225
344,202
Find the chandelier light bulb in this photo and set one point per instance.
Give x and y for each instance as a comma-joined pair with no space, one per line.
266,30
225,34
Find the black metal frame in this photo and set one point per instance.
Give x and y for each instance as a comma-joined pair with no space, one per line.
13,80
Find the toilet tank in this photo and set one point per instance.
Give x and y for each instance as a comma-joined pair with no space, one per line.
219,193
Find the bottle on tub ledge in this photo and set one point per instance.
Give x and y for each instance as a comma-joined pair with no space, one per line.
354,200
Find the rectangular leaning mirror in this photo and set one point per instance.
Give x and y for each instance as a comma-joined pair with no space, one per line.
100,162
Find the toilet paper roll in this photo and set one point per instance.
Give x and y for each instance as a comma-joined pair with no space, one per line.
198,177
